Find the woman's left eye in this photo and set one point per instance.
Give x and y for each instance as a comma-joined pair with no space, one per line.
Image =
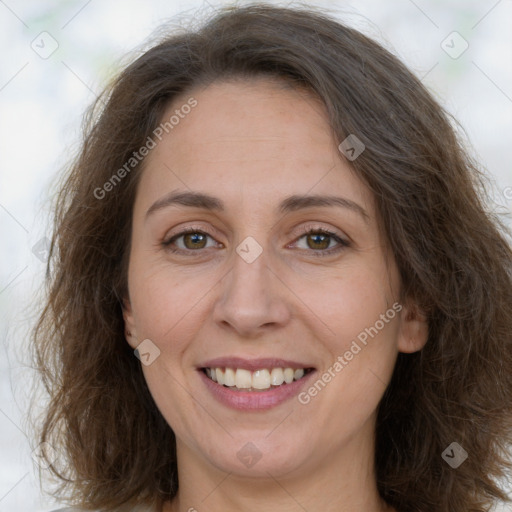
319,240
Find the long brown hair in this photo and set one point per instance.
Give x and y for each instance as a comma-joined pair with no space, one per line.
452,254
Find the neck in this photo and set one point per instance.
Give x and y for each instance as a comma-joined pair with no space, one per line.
230,494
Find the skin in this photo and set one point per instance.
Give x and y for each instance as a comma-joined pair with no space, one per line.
251,144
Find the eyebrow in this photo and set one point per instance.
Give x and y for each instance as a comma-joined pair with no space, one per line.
289,204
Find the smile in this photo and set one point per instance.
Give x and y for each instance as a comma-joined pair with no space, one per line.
254,385
259,380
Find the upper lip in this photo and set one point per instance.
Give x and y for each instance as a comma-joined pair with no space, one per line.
253,364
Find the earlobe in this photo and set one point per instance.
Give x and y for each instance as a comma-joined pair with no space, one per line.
130,332
413,333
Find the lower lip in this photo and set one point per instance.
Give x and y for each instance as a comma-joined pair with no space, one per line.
254,400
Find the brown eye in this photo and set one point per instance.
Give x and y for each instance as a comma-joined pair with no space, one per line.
192,240
319,241
196,240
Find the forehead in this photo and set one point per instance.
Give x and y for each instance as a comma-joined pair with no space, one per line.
244,136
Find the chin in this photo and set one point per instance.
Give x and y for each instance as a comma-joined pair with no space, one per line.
258,457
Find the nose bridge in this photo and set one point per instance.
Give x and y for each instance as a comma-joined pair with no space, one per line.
250,297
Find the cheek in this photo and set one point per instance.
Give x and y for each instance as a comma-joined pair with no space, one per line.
361,348
355,321
165,299
346,302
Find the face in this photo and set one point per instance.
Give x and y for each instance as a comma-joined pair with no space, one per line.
268,281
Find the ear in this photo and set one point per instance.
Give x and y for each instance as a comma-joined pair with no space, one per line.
413,333
130,332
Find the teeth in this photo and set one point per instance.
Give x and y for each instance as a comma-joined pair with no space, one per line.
259,380
298,374
243,378
288,375
277,376
229,377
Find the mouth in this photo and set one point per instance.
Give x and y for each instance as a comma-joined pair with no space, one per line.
255,384
263,379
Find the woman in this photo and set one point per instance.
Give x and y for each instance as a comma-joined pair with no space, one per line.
274,282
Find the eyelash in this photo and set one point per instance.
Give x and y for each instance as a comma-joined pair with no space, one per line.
342,244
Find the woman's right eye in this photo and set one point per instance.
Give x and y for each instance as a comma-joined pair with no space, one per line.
193,239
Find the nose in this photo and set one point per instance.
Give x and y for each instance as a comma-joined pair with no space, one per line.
252,299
